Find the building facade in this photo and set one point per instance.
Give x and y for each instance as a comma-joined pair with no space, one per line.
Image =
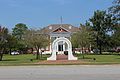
55,31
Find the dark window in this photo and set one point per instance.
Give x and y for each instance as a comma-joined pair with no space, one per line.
60,47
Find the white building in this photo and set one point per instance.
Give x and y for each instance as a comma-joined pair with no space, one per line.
55,31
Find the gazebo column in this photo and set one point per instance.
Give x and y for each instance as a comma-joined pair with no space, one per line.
63,46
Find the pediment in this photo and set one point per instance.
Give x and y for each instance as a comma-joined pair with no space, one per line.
60,30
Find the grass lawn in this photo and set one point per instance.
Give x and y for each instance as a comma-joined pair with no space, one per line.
29,59
100,59
24,59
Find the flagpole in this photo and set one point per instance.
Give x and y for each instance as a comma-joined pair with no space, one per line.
61,19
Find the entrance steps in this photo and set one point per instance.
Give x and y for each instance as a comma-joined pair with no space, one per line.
60,52
62,57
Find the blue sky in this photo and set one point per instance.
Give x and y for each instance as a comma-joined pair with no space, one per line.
40,13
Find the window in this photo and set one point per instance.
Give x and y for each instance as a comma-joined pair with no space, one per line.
50,27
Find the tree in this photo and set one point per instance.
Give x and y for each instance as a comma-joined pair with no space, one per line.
82,38
115,9
102,23
19,30
115,38
3,40
38,41
11,42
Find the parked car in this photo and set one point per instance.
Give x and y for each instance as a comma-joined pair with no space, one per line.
96,51
15,53
117,50
111,50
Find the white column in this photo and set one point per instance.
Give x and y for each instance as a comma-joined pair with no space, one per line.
50,48
63,46
54,50
57,47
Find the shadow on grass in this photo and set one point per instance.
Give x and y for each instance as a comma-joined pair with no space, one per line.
85,58
10,60
117,58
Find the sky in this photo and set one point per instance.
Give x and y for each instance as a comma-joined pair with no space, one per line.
41,13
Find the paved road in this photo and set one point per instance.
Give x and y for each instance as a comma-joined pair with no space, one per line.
71,72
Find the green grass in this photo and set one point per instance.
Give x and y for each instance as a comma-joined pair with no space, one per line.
105,59
24,59
29,59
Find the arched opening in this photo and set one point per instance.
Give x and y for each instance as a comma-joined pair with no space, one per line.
55,48
62,53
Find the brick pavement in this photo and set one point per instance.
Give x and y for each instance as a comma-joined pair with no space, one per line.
61,59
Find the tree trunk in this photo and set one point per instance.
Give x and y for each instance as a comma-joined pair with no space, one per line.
83,53
1,55
37,55
41,54
32,50
97,43
100,49
82,50
10,51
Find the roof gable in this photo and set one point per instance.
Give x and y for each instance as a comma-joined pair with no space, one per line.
60,30
55,28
